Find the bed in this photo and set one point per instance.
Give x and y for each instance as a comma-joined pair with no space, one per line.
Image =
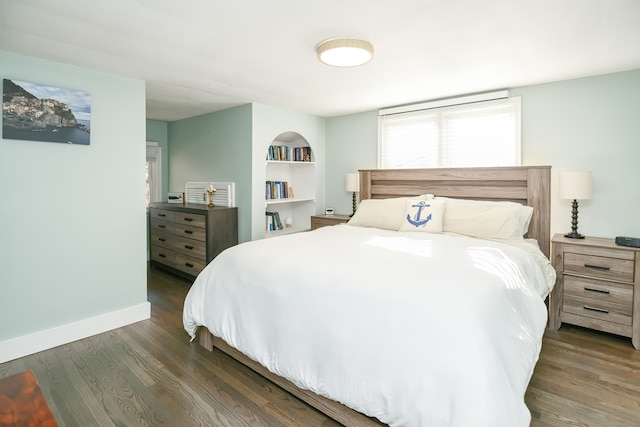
380,325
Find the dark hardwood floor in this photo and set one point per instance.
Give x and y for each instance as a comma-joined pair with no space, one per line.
148,374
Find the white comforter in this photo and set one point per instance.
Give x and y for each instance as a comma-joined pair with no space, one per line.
415,329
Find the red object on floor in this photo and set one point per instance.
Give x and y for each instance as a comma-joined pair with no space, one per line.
22,403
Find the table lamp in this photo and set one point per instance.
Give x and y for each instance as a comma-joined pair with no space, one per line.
575,186
353,185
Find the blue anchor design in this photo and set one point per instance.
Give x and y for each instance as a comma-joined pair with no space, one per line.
417,222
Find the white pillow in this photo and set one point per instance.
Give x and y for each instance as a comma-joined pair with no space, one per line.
423,215
486,219
383,213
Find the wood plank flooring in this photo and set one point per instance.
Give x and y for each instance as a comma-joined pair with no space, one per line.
148,374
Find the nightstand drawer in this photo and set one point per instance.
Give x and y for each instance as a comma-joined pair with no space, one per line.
599,266
602,300
318,221
585,307
597,290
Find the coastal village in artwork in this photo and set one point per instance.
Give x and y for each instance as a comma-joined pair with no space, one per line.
25,115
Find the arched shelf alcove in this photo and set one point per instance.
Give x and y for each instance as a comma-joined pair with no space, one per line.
290,185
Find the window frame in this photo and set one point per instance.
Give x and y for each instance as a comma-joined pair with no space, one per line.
154,159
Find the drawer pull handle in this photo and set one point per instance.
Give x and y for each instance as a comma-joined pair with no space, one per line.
188,219
188,264
598,309
161,215
602,291
188,231
597,267
162,239
188,247
162,255
161,226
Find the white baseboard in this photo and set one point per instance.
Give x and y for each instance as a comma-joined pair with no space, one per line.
25,345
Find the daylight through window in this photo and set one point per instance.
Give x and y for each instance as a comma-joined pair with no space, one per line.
485,133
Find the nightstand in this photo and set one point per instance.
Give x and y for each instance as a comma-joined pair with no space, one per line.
318,221
597,286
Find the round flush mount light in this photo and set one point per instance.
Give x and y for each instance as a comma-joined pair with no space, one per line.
345,52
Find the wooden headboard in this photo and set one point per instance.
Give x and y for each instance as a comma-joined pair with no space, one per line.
528,185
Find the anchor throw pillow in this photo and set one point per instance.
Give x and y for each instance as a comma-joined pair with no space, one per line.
423,215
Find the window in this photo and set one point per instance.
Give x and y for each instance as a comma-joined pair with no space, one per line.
466,134
154,172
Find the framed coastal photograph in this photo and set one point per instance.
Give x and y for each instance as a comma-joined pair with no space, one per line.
35,112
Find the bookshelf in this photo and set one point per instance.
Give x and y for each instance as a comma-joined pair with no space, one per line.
290,185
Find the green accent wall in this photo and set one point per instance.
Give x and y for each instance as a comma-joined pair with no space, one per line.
586,124
72,218
214,147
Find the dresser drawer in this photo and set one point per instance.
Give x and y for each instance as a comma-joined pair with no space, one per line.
162,226
193,248
189,219
189,265
161,215
191,232
162,239
163,255
599,266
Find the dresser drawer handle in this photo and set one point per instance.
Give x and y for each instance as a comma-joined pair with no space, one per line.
597,267
161,214
188,247
188,231
162,226
188,219
598,309
188,264
162,255
162,239
602,291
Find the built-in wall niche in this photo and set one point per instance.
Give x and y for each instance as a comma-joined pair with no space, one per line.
290,185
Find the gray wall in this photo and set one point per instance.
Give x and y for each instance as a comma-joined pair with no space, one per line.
72,218
583,124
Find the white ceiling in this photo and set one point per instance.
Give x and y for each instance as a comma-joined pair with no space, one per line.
200,56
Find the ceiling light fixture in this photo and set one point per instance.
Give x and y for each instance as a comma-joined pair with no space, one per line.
345,52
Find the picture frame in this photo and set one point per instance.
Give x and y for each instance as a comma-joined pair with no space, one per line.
36,112
175,197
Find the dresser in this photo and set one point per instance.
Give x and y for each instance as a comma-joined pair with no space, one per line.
597,286
318,221
185,238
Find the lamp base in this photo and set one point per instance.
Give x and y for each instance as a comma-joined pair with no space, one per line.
574,235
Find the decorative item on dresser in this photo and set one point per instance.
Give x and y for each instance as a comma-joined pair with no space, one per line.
185,238
318,221
597,286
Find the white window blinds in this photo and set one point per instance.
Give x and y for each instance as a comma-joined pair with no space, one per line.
485,133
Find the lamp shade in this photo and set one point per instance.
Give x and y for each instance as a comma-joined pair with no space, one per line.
353,182
345,52
576,185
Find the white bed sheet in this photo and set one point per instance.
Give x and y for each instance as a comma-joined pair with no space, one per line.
414,329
